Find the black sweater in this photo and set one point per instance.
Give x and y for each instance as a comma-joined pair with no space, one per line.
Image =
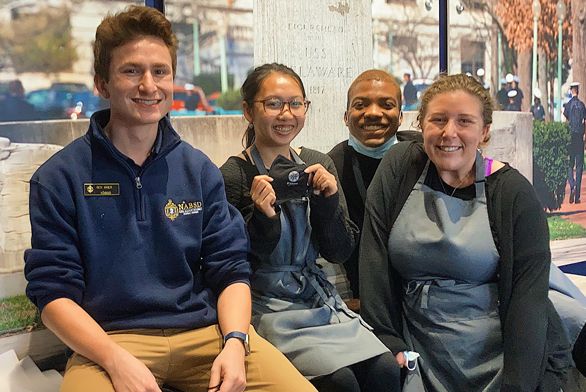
536,350
342,155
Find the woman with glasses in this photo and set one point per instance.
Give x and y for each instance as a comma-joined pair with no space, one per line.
294,210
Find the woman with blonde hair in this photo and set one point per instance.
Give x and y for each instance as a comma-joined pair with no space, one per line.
455,257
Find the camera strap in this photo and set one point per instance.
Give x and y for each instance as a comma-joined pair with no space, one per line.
258,162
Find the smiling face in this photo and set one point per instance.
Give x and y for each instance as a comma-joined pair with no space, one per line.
374,112
140,85
275,130
453,129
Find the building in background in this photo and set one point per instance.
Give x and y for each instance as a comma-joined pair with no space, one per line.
219,33
405,38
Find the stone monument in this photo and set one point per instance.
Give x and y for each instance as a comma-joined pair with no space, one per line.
328,43
17,164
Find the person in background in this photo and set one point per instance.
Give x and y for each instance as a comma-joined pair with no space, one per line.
14,107
409,93
373,115
513,105
448,268
138,263
191,98
537,108
501,96
575,114
519,96
294,208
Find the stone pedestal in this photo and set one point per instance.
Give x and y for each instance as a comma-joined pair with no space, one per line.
328,43
17,164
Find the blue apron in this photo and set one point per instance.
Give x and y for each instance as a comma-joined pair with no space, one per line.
297,309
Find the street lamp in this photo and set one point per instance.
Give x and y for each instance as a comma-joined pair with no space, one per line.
536,13
223,58
561,13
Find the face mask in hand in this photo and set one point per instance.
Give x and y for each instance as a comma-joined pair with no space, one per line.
289,180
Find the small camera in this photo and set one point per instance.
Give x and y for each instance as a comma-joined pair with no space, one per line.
290,181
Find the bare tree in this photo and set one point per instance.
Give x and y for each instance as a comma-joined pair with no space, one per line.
40,42
411,44
516,17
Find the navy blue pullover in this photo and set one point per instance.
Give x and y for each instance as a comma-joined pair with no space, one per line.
135,247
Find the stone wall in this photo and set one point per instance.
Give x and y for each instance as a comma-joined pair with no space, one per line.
218,136
18,161
221,136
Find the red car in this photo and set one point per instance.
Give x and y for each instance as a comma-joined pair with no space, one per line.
191,98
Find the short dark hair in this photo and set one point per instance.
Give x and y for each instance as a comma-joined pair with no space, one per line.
374,74
133,23
252,85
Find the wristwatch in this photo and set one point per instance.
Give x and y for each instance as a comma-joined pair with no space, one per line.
243,337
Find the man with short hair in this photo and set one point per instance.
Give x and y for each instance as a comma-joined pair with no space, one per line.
373,115
501,96
138,262
513,105
409,93
575,113
537,109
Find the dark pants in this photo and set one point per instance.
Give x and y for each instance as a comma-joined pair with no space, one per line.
576,151
378,374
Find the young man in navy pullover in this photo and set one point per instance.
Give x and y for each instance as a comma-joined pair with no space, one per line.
138,262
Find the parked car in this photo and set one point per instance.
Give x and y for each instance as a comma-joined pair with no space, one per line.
65,101
190,98
70,86
3,89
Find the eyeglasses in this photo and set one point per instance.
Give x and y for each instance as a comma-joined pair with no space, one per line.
276,106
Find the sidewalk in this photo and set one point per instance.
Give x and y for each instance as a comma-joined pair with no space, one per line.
575,213
564,252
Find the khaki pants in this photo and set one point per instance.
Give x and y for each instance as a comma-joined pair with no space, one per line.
183,360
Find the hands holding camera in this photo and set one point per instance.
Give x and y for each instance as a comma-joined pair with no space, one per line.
264,197
322,181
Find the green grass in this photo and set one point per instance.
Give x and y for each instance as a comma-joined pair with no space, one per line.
17,313
561,229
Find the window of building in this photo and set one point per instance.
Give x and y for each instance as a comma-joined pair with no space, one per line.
472,55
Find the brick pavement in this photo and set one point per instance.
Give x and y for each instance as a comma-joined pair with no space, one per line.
575,213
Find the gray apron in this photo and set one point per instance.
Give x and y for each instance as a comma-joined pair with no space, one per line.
297,309
443,249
